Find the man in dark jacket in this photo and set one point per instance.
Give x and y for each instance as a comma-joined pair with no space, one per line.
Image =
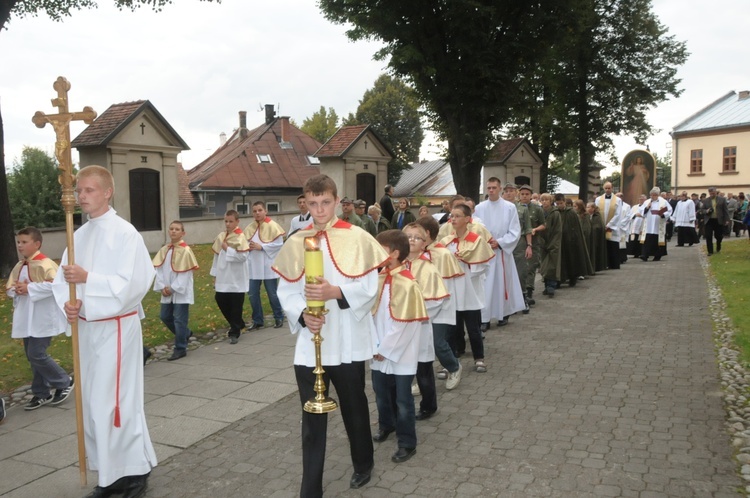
715,217
386,203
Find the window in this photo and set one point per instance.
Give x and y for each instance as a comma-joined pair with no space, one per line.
273,207
145,199
730,159
242,208
696,161
263,158
314,161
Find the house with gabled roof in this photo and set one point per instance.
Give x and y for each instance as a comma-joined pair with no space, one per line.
712,147
269,163
356,158
512,161
139,147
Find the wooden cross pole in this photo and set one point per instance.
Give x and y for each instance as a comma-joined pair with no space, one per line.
61,123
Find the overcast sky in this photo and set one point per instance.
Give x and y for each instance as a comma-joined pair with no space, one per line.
200,63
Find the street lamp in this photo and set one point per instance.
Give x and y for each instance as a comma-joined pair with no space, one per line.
243,192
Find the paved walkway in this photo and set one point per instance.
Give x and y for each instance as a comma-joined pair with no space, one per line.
609,389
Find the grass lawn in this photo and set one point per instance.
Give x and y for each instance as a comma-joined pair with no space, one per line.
204,317
732,270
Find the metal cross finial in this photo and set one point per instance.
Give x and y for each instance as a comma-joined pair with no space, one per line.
61,123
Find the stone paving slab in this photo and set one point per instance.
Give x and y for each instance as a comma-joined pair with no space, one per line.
609,389
605,390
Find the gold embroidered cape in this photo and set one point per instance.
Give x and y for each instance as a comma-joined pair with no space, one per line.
472,249
236,240
407,302
41,269
268,230
183,258
428,277
353,251
444,261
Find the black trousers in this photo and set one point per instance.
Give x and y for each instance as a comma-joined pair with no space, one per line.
426,383
613,255
230,304
349,381
713,229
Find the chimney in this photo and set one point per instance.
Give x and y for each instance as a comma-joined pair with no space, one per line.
285,135
243,124
270,113
222,138
744,94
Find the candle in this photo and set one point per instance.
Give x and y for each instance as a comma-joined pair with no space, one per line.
313,268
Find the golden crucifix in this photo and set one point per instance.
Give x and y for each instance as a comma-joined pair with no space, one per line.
61,123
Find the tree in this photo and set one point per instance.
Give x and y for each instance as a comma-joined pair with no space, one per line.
663,171
462,59
614,64
56,10
624,64
321,125
392,108
34,191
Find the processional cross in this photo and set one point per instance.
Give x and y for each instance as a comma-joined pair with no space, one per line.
61,123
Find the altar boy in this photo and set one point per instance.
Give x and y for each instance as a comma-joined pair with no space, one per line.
399,316
351,258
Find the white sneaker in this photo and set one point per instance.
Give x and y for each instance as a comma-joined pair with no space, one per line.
454,378
415,390
442,374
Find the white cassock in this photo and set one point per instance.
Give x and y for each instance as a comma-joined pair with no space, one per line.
37,314
230,270
611,211
397,341
259,262
625,221
347,334
684,214
120,272
181,283
503,294
636,222
652,222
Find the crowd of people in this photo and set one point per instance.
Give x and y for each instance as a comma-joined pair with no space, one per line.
400,290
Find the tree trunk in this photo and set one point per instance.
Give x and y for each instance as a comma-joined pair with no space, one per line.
466,176
8,255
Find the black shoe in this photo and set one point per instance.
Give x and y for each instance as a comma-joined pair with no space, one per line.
644,259
359,479
403,454
530,297
550,291
62,394
255,326
526,308
135,486
278,324
382,435
176,355
36,402
484,327
102,492
234,339
146,355
658,258
2,409
423,415
572,282
503,322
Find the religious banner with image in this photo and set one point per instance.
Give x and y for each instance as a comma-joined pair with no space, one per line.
638,175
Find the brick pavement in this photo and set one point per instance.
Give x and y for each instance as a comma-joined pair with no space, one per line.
609,389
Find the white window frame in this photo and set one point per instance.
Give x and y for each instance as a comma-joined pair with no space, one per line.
264,158
273,206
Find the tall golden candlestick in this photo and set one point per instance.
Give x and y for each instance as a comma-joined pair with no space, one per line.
314,269
61,124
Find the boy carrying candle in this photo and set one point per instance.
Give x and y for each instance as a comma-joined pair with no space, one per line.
349,287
